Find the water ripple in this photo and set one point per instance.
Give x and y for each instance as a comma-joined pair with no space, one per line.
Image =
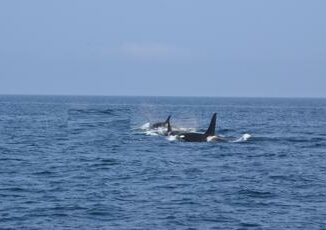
79,163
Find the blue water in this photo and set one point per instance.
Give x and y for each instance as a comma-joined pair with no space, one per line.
81,163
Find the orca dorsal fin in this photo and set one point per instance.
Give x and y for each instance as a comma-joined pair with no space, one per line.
168,119
211,129
169,126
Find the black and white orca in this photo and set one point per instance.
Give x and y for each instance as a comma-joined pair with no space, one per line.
171,132
161,124
209,135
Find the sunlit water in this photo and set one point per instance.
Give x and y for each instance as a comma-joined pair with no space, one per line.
82,163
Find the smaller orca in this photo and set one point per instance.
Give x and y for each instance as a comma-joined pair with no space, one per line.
209,135
171,132
161,124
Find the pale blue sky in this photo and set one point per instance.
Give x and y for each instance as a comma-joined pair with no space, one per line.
274,48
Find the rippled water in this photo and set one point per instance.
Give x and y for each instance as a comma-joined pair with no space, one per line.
80,162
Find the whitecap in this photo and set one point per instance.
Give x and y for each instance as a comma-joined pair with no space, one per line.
145,126
243,138
172,138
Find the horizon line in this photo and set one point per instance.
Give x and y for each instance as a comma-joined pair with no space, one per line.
180,96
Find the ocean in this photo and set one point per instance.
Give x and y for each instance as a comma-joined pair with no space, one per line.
79,162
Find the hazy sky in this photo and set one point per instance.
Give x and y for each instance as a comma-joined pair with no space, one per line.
163,47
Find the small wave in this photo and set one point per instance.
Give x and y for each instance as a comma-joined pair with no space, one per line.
254,193
45,172
107,111
290,139
250,225
243,138
221,138
105,162
151,133
110,161
91,111
14,189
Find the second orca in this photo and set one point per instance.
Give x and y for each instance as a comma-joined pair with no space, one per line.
196,137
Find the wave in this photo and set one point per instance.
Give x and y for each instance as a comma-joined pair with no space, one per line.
92,111
290,139
245,137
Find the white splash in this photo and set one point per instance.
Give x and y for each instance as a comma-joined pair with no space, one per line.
145,126
186,130
151,133
243,138
172,138
211,138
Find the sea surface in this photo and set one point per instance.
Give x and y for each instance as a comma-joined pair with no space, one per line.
75,162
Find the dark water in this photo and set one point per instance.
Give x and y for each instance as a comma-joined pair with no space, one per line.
78,163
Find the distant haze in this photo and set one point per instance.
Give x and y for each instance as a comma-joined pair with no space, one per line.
171,48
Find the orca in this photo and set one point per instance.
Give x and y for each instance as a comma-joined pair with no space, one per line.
171,132
161,124
209,135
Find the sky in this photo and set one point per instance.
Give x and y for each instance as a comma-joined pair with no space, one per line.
228,48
